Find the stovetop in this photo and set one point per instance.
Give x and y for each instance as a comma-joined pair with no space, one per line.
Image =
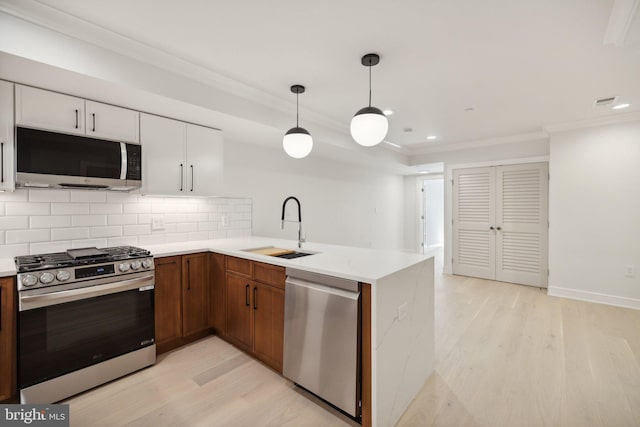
78,257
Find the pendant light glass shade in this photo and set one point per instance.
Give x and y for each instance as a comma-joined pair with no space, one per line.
369,126
297,142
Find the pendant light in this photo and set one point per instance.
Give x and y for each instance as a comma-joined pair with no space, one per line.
297,142
369,126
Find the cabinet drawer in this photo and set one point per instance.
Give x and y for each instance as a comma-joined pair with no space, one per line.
238,265
269,274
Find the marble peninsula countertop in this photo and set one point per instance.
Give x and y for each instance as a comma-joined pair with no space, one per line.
361,264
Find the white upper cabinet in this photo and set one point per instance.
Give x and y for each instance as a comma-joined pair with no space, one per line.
110,122
180,158
204,161
42,109
7,176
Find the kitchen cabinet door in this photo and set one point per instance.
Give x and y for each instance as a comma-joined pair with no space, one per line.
216,293
195,293
238,311
168,308
42,109
111,122
7,175
8,380
268,324
163,155
204,161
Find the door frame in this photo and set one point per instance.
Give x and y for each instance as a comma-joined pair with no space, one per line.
448,198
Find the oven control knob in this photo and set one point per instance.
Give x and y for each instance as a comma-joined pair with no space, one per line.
63,275
125,266
46,278
147,263
29,280
135,265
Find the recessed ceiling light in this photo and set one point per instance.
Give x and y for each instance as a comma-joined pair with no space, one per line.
387,112
392,144
620,106
407,130
469,109
424,171
431,137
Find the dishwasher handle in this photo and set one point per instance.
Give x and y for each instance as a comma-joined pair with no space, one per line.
294,281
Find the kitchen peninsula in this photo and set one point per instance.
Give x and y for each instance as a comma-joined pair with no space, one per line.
397,309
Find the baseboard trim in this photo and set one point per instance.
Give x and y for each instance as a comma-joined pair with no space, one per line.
599,298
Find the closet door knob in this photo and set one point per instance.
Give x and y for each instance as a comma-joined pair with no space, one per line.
491,228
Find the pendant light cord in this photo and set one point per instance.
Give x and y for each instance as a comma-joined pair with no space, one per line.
297,113
369,84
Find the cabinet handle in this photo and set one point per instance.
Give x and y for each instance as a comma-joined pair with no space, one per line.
246,295
188,274
498,228
76,119
94,122
181,175
1,161
191,177
255,298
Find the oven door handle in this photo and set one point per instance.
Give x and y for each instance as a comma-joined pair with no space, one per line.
29,302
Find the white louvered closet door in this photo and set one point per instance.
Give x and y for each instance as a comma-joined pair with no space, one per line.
521,223
473,215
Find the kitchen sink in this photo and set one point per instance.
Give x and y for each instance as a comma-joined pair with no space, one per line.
278,252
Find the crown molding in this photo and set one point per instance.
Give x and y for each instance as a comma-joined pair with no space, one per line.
620,20
523,137
599,121
75,27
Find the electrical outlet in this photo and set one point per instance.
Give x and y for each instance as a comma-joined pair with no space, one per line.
630,271
403,310
157,223
224,221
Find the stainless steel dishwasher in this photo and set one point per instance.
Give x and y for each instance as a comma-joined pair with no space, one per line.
321,337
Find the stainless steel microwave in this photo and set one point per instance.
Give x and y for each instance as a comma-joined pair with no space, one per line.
55,160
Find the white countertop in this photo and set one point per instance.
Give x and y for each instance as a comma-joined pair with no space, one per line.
364,265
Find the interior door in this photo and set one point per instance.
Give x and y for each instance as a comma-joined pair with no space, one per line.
522,224
474,237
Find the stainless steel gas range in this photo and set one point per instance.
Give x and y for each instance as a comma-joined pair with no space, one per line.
86,317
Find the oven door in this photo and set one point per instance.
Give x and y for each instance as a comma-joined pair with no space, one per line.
65,331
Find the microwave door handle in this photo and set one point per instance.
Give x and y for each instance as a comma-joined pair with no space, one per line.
123,159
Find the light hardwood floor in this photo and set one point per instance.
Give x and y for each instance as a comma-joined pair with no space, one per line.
506,355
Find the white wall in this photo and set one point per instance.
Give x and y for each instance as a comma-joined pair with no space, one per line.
434,211
594,214
341,203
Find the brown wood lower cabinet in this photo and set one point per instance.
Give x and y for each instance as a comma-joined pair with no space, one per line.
8,377
181,300
254,304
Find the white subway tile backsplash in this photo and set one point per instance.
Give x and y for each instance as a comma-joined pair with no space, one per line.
27,236
109,231
136,208
187,227
122,241
198,235
88,220
136,230
48,196
89,243
69,233
69,208
126,219
88,196
10,251
13,222
51,221
49,247
27,208
106,208
40,221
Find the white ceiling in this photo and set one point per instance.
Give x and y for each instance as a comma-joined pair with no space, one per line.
520,64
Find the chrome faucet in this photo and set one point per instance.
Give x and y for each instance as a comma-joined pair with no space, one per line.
284,205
